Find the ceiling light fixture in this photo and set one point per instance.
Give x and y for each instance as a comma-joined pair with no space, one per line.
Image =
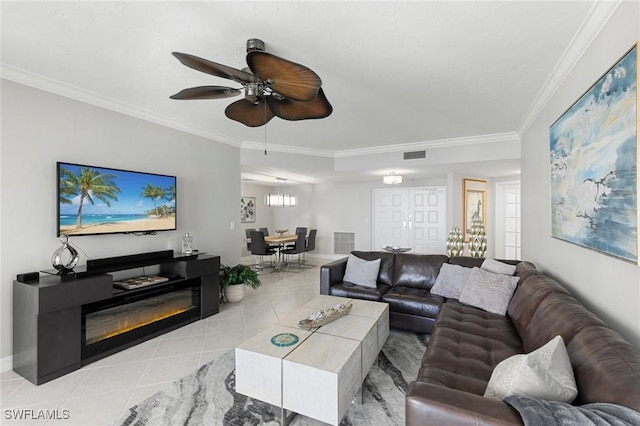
392,179
278,199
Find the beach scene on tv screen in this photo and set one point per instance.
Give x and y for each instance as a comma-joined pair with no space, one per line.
96,200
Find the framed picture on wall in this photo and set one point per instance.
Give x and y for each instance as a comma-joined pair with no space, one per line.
593,160
247,209
474,201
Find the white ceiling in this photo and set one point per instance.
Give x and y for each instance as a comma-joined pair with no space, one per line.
396,73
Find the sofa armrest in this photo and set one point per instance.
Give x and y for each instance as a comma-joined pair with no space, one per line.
437,405
332,273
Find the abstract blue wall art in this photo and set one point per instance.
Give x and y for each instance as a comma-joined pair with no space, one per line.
594,165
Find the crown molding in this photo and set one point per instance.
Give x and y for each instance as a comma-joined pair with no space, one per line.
510,137
27,78
260,146
599,14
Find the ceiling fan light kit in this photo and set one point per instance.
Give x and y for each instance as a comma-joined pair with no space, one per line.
273,86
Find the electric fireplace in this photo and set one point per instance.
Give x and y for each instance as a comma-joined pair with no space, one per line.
134,316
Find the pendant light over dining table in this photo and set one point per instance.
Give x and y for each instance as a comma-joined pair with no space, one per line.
280,199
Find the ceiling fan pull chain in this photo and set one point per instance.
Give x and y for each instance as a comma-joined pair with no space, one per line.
265,127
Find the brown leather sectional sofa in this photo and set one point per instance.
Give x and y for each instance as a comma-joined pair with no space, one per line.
467,343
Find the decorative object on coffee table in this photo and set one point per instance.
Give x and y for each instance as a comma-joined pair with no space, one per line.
65,266
455,242
233,281
284,339
325,316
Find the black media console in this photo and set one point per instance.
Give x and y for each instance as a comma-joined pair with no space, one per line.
62,322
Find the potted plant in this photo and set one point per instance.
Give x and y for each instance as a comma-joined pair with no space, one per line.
231,288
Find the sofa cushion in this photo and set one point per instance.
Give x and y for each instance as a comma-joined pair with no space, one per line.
362,272
451,280
606,367
345,289
385,274
476,262
532,289
544,373
414,301
417,270
488,291
558,313
497,267
465,346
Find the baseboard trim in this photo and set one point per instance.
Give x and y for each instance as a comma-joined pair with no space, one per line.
6,363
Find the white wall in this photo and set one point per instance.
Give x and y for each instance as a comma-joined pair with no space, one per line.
40,128
608,286
264,215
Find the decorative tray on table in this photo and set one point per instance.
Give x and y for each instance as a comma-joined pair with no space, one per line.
325,316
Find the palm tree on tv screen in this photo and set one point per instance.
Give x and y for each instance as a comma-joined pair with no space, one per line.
89,184
154,192
169,195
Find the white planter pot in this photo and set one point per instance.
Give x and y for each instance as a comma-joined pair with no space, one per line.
234,293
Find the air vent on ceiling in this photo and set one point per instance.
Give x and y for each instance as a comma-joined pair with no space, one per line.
413,155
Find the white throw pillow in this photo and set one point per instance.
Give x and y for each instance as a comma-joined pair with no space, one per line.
488,291
451,280
362,272
545,373
497,267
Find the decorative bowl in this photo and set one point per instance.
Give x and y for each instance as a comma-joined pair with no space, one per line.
282,231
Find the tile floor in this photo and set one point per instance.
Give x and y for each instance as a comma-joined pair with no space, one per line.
99,392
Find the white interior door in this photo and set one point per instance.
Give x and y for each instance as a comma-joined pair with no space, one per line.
427,220
391,211
410,217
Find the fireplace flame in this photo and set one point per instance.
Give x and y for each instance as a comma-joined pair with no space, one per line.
136,320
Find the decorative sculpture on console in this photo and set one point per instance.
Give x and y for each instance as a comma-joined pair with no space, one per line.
65,263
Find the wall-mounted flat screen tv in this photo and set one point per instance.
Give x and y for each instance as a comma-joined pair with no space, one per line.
99,200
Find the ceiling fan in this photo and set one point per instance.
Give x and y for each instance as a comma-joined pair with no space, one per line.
273,86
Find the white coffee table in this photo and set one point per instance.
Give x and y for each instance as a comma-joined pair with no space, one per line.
320,374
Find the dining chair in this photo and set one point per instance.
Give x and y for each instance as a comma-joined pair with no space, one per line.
265,231
298,249
259,247
310,245
299,230
247,233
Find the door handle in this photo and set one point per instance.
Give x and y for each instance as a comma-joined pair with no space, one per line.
404,224
410,225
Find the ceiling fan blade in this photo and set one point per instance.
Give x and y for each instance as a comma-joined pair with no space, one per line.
213,68
291,80
206,92
288,109
252,115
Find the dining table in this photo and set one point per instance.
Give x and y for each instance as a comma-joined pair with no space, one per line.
280,241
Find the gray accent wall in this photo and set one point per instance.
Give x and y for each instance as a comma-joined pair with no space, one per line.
40,128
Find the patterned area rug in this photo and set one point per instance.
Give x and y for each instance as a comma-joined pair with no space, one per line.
208,397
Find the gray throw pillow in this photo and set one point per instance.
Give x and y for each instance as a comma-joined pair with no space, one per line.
488,291
362,272
497,267
545,373
451,280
